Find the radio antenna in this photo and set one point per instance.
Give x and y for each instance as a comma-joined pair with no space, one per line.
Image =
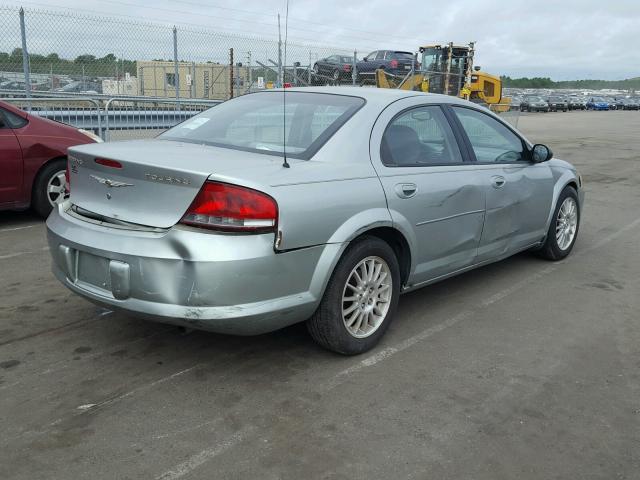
285,164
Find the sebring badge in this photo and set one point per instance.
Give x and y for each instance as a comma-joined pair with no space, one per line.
110,183
167,179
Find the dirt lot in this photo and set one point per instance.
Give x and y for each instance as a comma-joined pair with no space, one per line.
523,369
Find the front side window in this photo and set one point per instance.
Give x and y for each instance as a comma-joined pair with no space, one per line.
259,123
491,140
11,120
419,137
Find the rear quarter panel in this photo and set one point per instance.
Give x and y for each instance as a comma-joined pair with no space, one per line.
563,173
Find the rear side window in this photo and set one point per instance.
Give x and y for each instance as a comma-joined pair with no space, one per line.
403,55
11,120
491,140
259,122
419,137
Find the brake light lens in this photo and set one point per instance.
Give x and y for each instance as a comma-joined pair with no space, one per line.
220,206
108,162
394,63
346,67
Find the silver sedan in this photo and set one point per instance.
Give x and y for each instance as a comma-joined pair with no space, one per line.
256,214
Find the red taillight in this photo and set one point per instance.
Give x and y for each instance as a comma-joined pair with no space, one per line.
221,206
394,63
346,67
108,163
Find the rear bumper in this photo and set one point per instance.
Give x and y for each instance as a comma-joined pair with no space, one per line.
222,283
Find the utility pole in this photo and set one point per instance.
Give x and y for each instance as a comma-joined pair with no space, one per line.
175,65
25,55
250,77
354,73
280,77
231,72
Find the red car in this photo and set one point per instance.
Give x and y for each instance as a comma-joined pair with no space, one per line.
33,159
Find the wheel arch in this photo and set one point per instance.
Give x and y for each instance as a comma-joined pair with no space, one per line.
40,169
333,253
397,241
569,180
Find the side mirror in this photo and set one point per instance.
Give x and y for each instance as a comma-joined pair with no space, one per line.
365,59
541,153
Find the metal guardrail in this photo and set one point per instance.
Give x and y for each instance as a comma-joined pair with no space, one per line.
105,115
129,113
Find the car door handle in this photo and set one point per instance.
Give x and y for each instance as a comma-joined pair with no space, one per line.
498,181
406,190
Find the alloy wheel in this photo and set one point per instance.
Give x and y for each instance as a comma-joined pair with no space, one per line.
366,297
566,223
57,188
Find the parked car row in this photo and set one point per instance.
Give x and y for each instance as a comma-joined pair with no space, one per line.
556,103
340,67
607,103
76,86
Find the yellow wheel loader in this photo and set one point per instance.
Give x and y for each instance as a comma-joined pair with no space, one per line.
448,69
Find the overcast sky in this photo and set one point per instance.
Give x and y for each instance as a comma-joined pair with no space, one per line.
563,39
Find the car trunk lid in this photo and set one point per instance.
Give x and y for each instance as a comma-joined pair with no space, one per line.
152,182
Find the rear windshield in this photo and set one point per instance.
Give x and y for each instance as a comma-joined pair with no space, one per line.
403,55
258,122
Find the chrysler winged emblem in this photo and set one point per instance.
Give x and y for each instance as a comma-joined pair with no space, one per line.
110,183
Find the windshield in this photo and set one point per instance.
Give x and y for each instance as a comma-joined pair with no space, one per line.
599,99
257,122
535,99
556,99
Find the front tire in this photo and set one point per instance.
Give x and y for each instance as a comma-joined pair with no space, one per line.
563,230
360,300
49,187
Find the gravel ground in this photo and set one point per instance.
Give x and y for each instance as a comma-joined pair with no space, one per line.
522,369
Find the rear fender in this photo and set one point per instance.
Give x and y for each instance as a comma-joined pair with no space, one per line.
565,179
339,241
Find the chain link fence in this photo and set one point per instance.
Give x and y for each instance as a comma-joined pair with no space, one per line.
159,69
51,52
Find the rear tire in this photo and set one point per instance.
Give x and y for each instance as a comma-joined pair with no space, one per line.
48,187
356,311
565,220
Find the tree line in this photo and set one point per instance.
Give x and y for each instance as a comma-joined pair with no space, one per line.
93,66
546,82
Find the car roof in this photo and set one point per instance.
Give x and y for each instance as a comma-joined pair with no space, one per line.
378,95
